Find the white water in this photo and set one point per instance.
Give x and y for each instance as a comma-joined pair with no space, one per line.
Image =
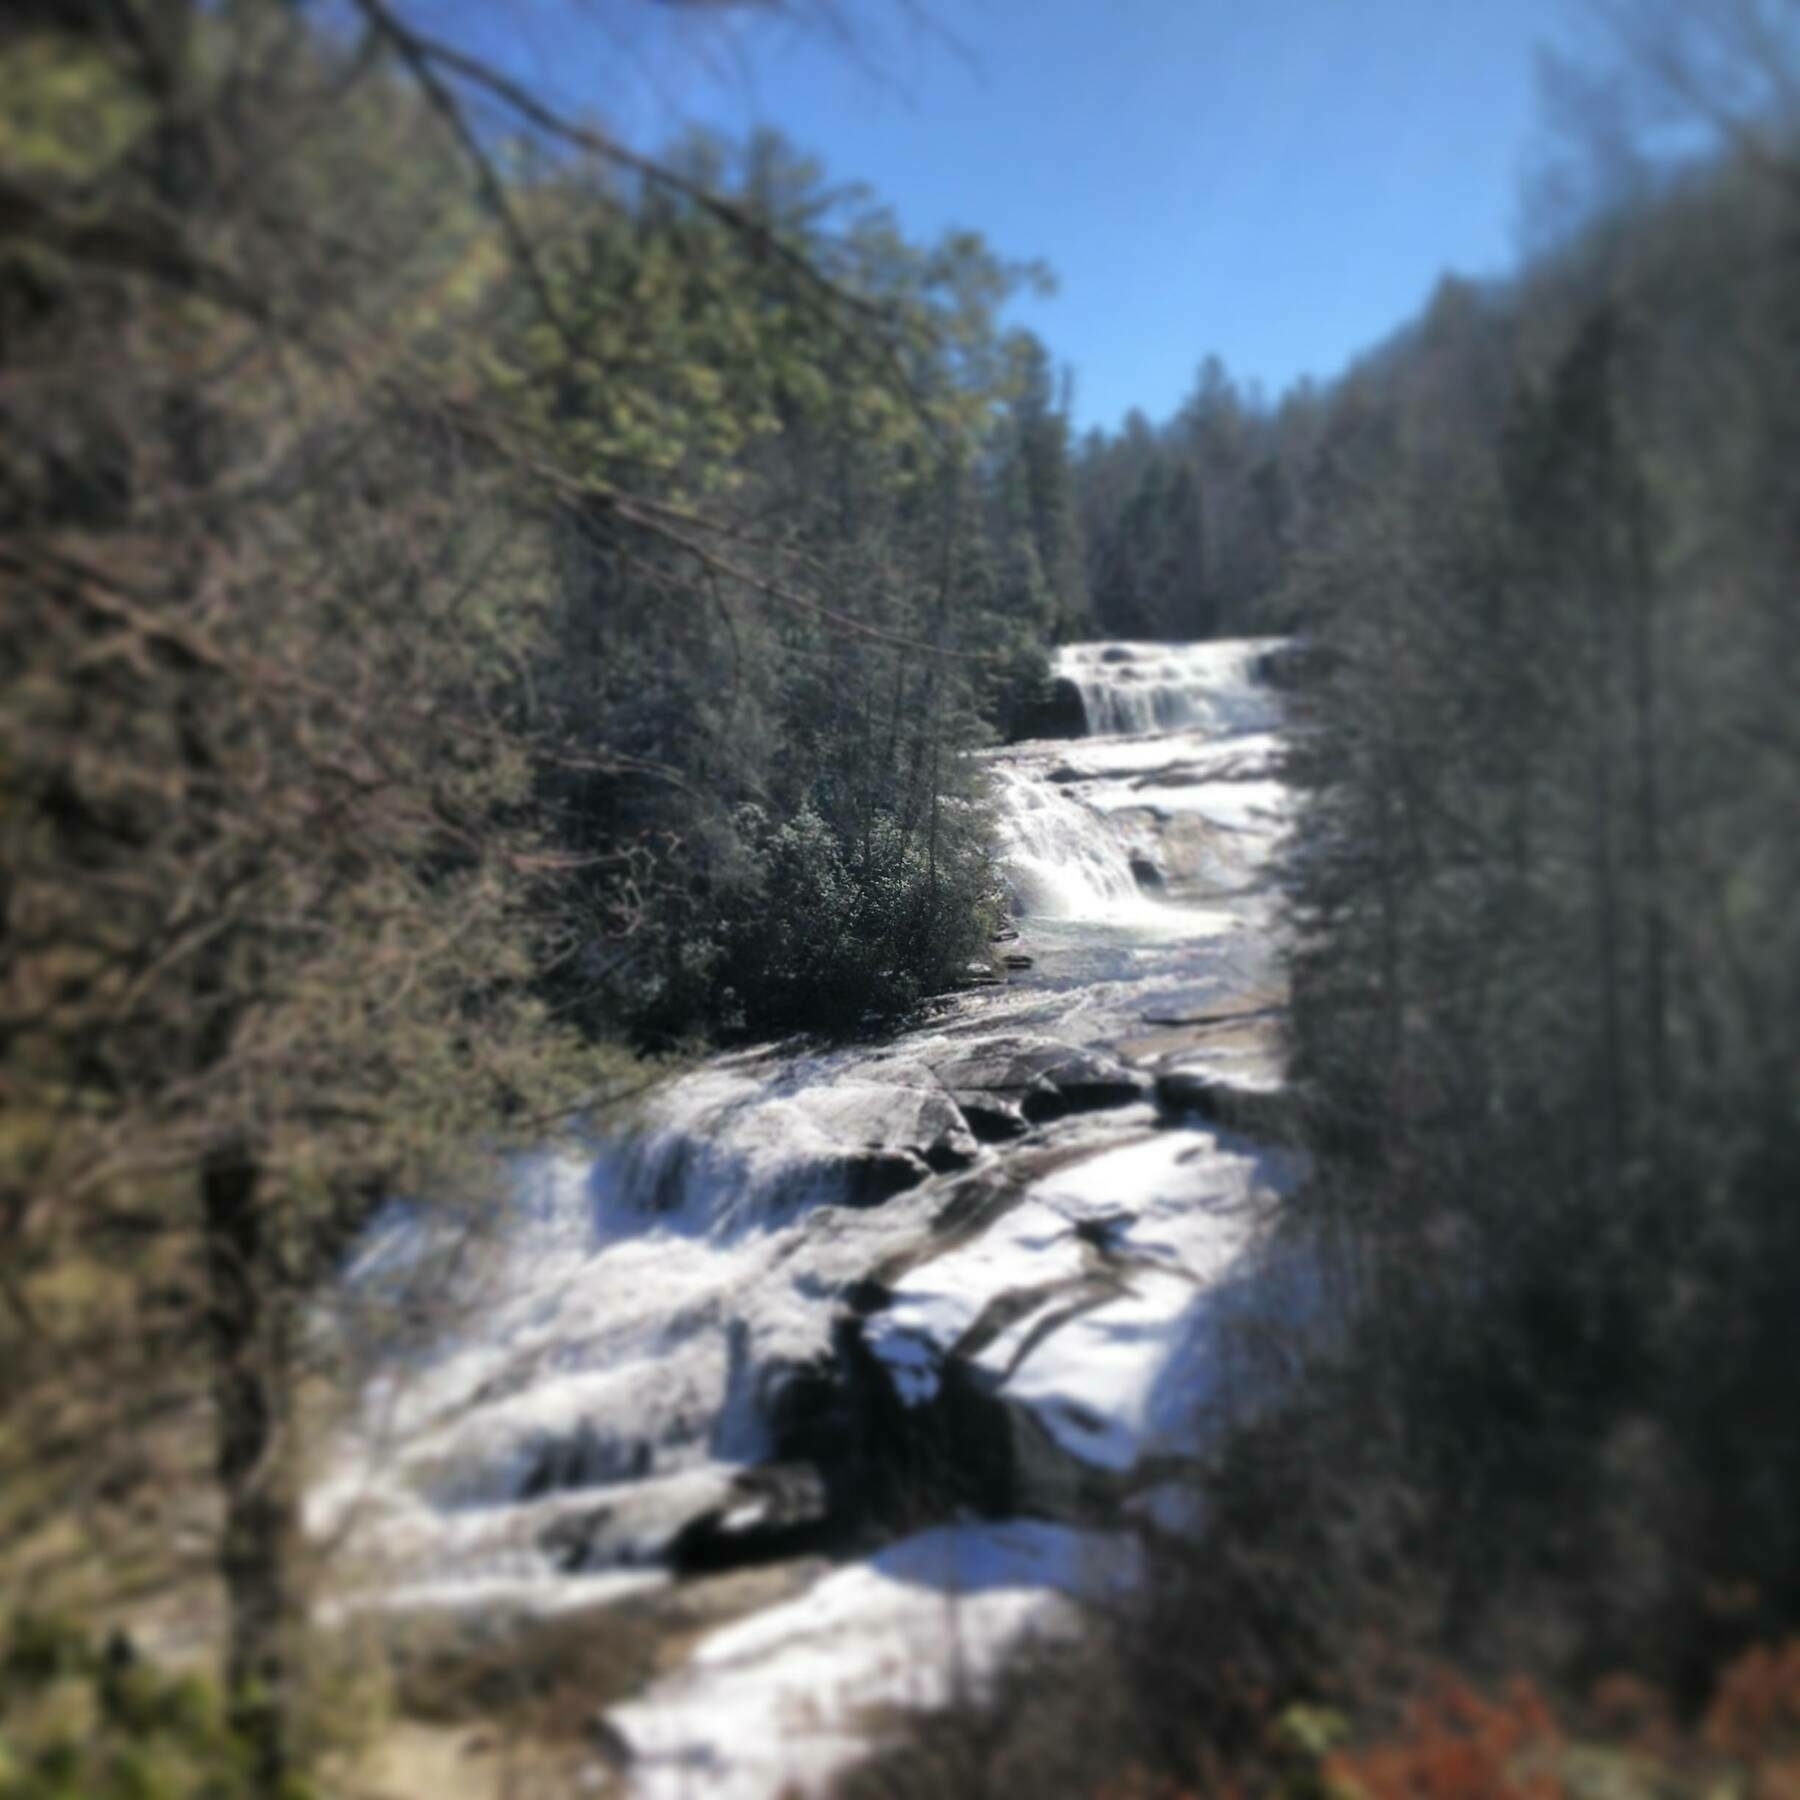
776,1704
1128,688
639,1308
1062,860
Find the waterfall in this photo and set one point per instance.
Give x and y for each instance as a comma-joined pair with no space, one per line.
1067,853
1063,859
635,1342
1130,688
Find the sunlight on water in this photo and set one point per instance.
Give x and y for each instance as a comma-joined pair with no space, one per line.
637,1311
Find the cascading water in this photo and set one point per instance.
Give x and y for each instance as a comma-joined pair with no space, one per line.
658,1321
1130,688
1063,860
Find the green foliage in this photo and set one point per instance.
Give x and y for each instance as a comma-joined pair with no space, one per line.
84,1721
831,931
1545,1024
485,609
65,111
1188,527
783,831
1544,913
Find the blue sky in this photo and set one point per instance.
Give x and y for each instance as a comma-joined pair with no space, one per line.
1279,181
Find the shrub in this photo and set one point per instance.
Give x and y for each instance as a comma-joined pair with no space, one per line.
96,1721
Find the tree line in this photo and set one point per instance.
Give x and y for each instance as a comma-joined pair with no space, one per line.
1546,964
1536,1469
480,603
1545,971
1187,527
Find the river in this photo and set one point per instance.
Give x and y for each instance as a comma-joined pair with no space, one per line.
916,1330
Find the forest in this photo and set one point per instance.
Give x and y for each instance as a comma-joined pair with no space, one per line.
1541,549
456,574
494,614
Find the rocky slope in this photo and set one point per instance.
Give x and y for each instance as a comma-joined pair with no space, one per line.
939,1315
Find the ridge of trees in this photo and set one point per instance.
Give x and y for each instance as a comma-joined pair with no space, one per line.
474,595
1544,1038
1186,527
1546,971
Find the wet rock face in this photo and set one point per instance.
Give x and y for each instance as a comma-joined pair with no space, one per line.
992,1119
891,1127
1041,1078
773,1512
1055,711
809,1406
876,1461
570,1540
873,1175
826,1295
893,1135
969,1448
586,1458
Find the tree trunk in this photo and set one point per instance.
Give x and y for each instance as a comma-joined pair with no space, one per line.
1605,945
247,1303
1649,809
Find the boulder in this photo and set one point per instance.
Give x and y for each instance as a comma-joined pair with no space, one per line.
1085,1081
876,1121
773,1512
867,1295
948,1154
874,1176
1042,1078
991,1119
977,975
1146,873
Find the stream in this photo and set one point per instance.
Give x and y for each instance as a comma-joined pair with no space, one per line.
902,1338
